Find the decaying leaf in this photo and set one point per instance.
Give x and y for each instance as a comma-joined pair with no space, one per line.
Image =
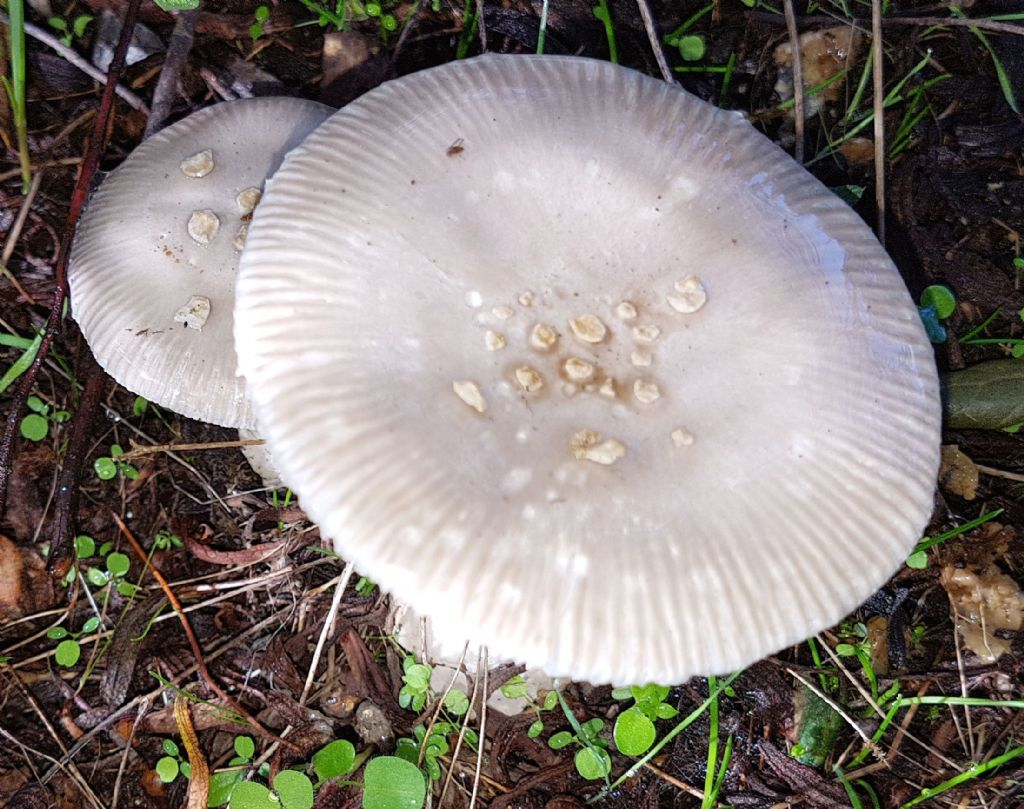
984,602
958,473
824,54
24,584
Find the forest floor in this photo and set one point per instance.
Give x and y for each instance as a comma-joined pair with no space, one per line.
892,708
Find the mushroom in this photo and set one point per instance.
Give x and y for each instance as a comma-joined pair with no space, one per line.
765,471
153,265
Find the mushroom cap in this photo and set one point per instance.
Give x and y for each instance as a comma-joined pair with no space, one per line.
134,264
507,193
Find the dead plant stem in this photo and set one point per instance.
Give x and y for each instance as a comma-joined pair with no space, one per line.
798,81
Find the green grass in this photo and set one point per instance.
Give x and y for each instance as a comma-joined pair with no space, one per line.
15,87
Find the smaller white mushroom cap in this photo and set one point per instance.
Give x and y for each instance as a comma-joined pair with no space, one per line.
153,265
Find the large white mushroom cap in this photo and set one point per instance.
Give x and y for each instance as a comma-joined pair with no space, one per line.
587,370
154,262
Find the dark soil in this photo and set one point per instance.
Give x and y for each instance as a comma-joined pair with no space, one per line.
250,574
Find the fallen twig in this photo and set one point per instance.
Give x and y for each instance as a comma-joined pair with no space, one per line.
71,56
878,84
170,73
798,81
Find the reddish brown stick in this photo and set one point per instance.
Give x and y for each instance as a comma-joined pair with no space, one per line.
60,290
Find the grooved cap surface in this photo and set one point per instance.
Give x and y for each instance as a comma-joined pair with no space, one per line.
134,263
587,370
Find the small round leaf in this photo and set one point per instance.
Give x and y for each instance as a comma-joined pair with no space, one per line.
593,763
941,298
333,760
34,427
171,748
85,546
167,769
294,789
222,784
250,795
245,747
691,47
105,468
118,564
634,733
67,653
393,783
417,677
457,702
559,740
514,687
96,577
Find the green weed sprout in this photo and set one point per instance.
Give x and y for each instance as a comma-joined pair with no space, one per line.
36,425
592,760
515,688
416,689
69,33
260,16
108,467
69,650
634,731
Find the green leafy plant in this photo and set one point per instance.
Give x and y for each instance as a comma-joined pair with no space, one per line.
69,649
592,760
919,558
260,16
388,22
108,467
515,688
365,587
691,47
69,33
603,13
429,746
634,732
714,774
857,644
36,425
415,690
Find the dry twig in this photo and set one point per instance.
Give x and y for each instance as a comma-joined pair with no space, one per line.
798,81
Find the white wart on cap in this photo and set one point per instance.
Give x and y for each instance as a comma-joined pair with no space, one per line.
709,429
154,261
